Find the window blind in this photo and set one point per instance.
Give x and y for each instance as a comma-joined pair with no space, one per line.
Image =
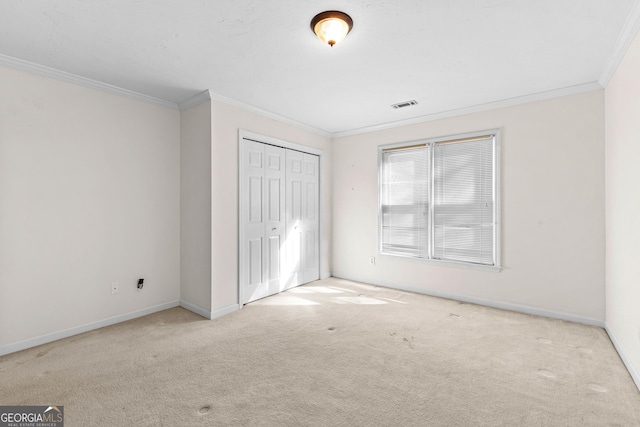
438,199
463,201
404,200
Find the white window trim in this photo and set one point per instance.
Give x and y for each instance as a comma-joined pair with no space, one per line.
497,207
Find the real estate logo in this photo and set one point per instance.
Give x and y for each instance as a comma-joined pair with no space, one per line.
31,416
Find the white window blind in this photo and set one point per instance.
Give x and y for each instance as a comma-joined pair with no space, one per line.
463,206
405,201
438,200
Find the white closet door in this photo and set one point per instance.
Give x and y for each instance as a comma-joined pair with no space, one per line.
263,216
294,221
302,218
279,219
274,208
310,219
253,268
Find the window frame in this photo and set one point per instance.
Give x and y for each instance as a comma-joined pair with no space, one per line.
496,209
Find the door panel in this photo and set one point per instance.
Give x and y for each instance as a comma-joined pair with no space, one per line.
296,200
275,197
255,199
274,259
310,201
311,253
255,262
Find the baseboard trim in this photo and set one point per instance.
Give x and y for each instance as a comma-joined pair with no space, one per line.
44,339
623,355
528,310
196,309
494,304
225,310
210,314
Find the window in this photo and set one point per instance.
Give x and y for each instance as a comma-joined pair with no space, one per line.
439,199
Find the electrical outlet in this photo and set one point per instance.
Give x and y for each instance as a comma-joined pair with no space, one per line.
115,288
372,260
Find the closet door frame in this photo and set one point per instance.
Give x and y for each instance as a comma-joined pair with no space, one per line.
245,135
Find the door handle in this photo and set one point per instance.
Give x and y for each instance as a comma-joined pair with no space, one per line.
274,229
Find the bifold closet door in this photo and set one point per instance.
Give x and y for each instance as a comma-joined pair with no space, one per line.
262,261
279,215
302,219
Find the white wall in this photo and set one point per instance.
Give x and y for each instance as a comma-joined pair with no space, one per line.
89,195
622,172
226,120
552,210
195,208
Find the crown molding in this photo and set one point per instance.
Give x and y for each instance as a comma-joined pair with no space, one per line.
269,115
81,81
625,38
631,28
200,98
540,96
195,100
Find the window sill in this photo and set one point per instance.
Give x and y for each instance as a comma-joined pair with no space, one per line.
444,263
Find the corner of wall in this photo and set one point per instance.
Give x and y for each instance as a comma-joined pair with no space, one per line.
635,375
195,205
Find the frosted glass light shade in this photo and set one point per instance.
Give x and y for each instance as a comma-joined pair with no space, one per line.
332,26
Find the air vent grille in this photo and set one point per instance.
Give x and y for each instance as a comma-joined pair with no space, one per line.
404,104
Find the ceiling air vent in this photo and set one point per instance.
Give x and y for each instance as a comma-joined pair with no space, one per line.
405,104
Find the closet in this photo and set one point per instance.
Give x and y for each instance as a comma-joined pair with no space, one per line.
279,217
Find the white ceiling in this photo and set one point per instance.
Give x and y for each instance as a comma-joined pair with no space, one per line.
446,54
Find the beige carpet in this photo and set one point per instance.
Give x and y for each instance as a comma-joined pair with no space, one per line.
332,353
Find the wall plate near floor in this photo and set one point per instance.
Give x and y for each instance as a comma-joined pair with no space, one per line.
115,288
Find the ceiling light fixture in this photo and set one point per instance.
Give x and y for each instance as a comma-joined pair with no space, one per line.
331,26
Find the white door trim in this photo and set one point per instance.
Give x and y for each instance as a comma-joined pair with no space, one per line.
244,135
